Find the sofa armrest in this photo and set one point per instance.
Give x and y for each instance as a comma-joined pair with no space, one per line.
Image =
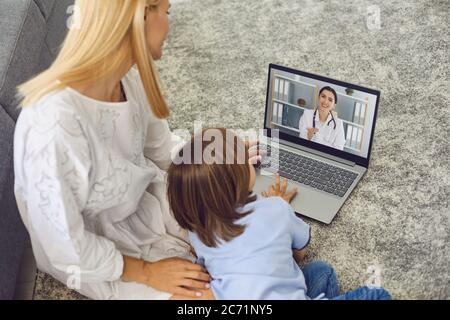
13,234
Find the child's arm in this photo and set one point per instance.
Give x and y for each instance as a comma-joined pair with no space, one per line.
299,255
301,235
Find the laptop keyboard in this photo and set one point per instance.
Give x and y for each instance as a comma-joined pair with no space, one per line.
310,172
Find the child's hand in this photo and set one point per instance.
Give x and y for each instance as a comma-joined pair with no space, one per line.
280,191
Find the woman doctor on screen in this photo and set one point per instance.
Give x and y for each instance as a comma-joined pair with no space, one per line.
322,125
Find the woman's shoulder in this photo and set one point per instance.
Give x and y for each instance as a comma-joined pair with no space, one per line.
53,108
53,119
308,113
59,101
133,82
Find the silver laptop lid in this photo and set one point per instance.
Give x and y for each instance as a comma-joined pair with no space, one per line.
322,114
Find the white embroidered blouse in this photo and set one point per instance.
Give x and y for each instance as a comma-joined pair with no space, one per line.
90,186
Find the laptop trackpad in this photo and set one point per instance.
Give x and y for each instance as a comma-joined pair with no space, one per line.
308,201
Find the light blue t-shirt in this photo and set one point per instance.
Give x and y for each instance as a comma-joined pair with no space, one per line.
258,264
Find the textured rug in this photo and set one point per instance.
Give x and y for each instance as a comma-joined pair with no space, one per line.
394,228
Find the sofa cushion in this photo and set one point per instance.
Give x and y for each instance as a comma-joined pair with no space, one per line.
12,231
22,37
57,27
45,6
31,32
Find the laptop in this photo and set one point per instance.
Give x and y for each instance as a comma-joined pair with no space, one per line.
319,135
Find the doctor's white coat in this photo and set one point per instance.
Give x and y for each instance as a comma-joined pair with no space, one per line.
327,135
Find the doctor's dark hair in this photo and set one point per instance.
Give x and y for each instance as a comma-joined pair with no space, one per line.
331,90
205,197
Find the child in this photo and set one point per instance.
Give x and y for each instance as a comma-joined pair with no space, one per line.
249,244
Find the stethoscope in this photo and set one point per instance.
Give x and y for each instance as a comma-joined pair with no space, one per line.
332,119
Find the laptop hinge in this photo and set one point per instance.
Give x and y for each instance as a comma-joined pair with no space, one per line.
318,153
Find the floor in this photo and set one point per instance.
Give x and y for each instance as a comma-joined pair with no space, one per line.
394,228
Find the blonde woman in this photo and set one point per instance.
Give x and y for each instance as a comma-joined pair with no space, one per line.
91,147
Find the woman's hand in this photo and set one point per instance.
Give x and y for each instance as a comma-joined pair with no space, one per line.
177,276
174,275
280,191
312,132
207,295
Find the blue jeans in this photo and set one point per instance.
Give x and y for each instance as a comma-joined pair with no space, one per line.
321,279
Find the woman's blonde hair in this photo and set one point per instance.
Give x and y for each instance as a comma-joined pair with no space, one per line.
108,33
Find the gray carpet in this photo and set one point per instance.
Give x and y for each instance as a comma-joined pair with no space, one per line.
215,69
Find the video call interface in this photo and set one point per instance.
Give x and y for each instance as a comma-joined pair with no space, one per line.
321,112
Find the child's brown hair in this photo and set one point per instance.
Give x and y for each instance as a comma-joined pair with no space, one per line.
204,197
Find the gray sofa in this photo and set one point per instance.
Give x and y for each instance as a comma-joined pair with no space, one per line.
31,32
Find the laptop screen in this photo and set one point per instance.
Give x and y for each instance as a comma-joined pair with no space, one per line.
321,112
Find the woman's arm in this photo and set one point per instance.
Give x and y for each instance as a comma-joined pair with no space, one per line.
53,167
206,295
160,143
174,275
